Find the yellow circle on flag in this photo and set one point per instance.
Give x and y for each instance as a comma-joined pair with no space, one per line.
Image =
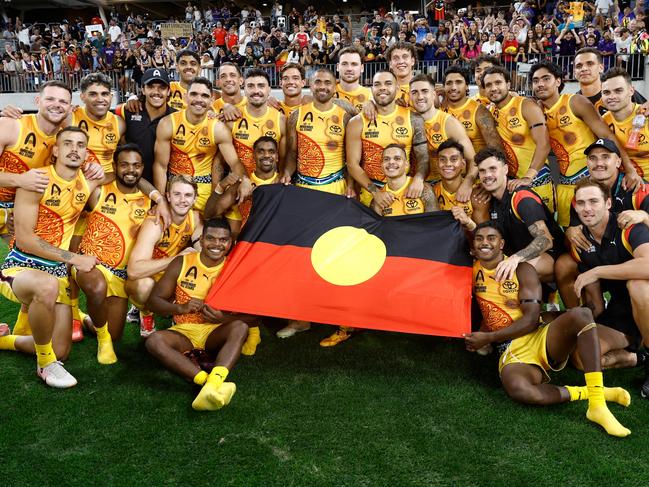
347,256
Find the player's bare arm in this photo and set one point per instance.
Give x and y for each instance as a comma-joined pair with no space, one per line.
487,126
541,243
430,201
34,179
636,268
290,161
26,218
282,140
420,149
162,153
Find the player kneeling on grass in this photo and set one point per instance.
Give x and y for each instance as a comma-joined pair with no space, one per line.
116,213
180,292
511,311
156,247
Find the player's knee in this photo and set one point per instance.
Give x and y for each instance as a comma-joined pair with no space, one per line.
47,291
565,267
154,343
94,288
239,330
580,316
639,291
523,392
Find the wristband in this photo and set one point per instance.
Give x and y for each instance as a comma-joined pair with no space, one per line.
534,173
218,189
152,194
372,188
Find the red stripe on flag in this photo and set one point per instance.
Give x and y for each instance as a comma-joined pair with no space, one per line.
406,295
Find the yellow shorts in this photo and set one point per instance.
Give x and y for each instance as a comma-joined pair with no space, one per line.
546,193
529,349
115,285
195,332
17,262
234,214
565,193
204,192
337,187
82,225
5,215
366,197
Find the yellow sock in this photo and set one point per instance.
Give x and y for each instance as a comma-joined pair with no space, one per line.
611,394
7,342
597,410
44,354
577,393
200,378
76,314
254,339
215,393
105,353
22,324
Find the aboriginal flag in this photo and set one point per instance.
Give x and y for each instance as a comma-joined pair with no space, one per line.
313,256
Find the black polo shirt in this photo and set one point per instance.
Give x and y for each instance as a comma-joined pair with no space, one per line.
141,130
621,200
617,247
517,211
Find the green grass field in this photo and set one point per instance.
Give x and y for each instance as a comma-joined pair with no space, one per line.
380,409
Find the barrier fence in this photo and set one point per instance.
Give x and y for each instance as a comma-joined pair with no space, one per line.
124,80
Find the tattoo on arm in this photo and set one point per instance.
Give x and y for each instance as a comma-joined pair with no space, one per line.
348,107
487,126
430,202
62,254
540,244
420,145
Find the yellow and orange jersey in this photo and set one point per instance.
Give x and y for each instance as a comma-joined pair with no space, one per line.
194,281
483,100
246,205
357,97
404,93
60,208
498,301
569,137
515,134
219,103
177,96
247,129
447,200
640,156
113,225
401,204
32,150
466,114
394,128
192,146
176,237
103,137
435,129
320,141
286,109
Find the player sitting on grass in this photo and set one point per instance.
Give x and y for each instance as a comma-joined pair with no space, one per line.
180,292
511,311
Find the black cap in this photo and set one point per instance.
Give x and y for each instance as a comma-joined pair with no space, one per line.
607,144
155,74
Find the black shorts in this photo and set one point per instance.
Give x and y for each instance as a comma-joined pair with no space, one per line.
619,316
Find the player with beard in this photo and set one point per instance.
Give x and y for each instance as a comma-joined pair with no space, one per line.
478,122
480,65
366,139
617,98
156,246
511,311
441,126
350,70
530,231
35,271
617,263
573,124
188,64
20,162
589,67
116,213
522,128
188,141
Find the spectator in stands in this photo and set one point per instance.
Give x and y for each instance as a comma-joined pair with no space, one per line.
492,47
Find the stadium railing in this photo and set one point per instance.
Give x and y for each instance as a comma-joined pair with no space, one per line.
634,64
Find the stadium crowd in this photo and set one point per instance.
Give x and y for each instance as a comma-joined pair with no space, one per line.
525,33
144,204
